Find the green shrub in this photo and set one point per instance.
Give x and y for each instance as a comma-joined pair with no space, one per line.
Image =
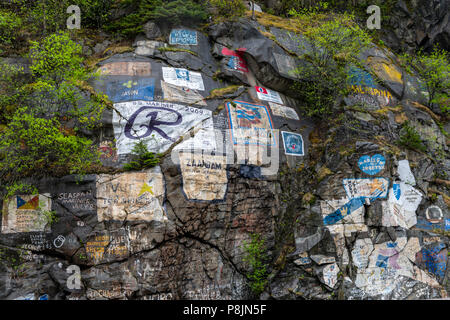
10,25
410,138
43,114
34,146
255,256
434,69
145,159
60,79
229,8
335,44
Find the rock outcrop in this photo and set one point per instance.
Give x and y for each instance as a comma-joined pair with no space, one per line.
345,212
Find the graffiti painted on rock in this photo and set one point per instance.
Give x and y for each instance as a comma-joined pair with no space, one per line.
174,93
434,214
400,209
140,89
204,176
26,213
158,124
372,165
372,188
236,61
250,124
293,143
131,196
405,173
183,78
183,37
268,95
130,68
283,111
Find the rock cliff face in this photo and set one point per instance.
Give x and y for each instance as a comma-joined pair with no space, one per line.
344,211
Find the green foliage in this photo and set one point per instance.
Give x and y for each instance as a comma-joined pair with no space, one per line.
410,138
255,256
334,45
56,58
229,8
434,69
94,13
32,145
43,114
171,11
10,24
145,159
60,77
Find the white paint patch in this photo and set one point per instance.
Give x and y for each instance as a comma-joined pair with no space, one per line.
183,78
268,95
361,252
131,196
158,124
204,176
26,213
204,138
283,111
401,211
368,188
330,273
405,173
173,93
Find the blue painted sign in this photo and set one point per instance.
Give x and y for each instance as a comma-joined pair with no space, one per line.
435,260
44,297
347,209
183,37
372,165
141,89
293,143
359,77
424,224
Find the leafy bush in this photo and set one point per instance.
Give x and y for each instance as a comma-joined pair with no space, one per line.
434,69
255,256
43,114
145,159
335,44
229,8
410,138
60,79
10,24
32,146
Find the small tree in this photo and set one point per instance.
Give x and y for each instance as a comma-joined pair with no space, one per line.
434,69
255,256
333,46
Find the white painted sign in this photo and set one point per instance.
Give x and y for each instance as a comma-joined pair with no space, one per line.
283,111
204,138
330,273
26,213
372,188
158,124
131,196
183,78
268,95
400,209
204,176
361,252
185,95
405,173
